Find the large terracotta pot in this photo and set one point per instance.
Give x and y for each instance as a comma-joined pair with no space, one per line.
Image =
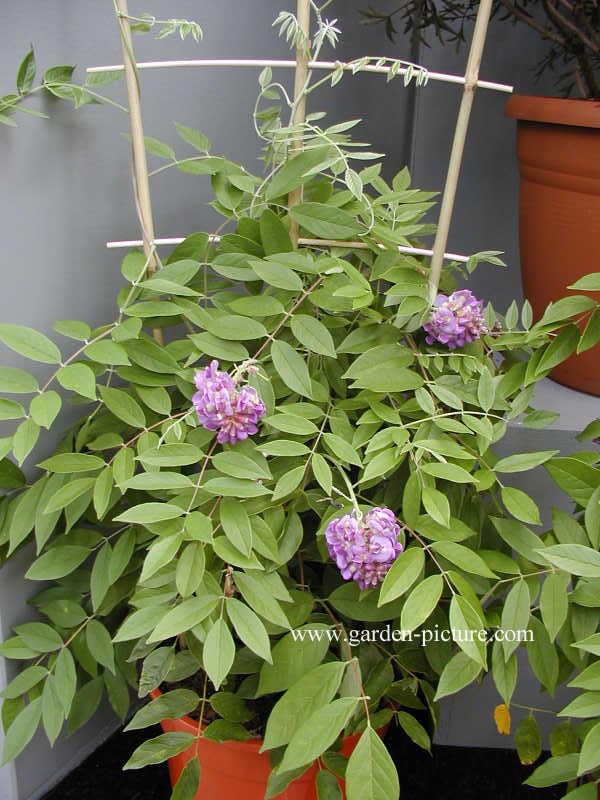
558,146
236,769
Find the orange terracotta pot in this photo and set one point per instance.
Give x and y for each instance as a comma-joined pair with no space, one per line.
237,769
558,147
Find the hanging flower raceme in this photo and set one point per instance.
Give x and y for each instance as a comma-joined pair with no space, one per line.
225,406
456,319
364,549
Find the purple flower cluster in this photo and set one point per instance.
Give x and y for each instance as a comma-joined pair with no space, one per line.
223,406
456,319
364,550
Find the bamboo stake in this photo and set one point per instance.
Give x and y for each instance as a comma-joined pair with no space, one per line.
138,148
458,145
299,108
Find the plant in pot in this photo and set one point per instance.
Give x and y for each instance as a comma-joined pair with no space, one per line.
573,621
557,144
284,476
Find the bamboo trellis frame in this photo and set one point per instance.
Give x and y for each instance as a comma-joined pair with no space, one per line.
303,66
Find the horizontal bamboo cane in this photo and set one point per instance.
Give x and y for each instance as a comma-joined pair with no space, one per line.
316,65
416,251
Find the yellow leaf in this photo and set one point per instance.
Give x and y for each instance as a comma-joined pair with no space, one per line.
502,719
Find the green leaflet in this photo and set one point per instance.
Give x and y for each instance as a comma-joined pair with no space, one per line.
29,343
371,774
219,652
311,333
326,221
459,672
159,749
314,689
183,617
420,602
316,733
17,381
292,368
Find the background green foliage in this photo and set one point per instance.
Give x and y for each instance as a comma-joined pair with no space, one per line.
570,31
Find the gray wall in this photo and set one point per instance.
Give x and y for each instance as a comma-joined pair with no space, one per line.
67,187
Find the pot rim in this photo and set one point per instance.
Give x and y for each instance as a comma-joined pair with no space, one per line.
554,110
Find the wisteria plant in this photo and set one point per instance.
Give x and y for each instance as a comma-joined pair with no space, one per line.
309,459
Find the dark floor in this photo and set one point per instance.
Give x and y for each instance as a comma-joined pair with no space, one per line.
454,773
